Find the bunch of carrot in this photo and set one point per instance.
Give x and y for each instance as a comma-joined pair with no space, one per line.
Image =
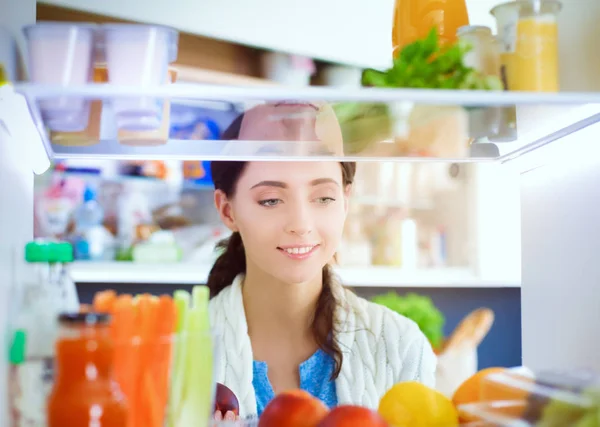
142,328
163,355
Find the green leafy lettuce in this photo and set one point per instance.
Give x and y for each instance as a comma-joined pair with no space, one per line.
418,308
426,64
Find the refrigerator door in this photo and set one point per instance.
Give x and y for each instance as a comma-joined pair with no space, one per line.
16,190
16,228
560,265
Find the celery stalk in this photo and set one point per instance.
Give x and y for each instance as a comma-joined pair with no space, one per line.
182,303
198,370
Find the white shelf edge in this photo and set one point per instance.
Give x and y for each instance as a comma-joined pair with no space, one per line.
189,274
467,98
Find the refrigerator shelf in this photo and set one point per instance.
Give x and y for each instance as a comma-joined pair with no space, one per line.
313,123
84,272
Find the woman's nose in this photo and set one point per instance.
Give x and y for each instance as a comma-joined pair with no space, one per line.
299,221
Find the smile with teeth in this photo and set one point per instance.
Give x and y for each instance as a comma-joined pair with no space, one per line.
298,252
302,250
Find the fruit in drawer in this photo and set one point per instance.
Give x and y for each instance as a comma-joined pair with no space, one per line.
495,386
470,391
412,404
294,408
564,398
226,400
352,416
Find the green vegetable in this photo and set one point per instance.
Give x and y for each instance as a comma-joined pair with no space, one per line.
420,309
363,124
428,65
198,390
182,302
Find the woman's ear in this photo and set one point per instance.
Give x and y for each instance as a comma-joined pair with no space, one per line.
223,205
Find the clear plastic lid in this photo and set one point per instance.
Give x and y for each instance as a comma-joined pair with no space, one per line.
546,398
45,28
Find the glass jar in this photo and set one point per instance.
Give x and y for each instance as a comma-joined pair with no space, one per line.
85,392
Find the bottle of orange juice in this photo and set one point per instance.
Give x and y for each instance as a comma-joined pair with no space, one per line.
414,19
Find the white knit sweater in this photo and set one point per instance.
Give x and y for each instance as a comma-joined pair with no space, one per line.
380,348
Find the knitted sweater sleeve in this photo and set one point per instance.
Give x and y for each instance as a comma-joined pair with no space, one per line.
409,352
421,359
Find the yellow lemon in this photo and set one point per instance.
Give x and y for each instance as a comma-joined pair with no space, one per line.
412,404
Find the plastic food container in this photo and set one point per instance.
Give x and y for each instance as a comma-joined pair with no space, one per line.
550,398
62,54
90,135
138,55
154,137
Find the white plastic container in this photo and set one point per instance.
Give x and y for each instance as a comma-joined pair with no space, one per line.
139,55
288,70
62,54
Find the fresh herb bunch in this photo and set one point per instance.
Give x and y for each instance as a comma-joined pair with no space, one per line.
420,309
426,64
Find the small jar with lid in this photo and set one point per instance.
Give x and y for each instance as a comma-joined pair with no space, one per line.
85,392
484,55
497,124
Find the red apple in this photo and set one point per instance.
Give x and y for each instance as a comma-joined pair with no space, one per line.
294,408
352,416
226,400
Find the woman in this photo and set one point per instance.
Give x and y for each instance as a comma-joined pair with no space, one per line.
283,320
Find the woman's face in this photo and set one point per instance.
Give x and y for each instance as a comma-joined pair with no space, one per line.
290,216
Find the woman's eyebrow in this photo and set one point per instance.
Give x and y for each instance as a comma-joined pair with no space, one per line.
320,181
281,184
277,184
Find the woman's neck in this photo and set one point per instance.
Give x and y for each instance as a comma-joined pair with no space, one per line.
277,309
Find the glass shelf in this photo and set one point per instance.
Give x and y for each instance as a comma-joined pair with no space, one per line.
314,123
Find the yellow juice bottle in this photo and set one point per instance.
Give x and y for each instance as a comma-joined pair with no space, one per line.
536,58
528,35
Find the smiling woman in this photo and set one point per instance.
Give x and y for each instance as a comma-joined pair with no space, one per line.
283,319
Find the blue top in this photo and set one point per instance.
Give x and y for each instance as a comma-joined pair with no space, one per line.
315,374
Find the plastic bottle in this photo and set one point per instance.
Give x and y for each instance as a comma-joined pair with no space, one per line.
92,241
47,290
413,19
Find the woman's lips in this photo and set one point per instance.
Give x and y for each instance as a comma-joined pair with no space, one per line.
299,252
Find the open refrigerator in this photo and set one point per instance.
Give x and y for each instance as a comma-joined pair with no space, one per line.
556,154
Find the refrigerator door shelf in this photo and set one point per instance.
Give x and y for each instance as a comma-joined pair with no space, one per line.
21,124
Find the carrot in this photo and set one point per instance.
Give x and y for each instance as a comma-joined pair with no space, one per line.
154,415
123,332
143,328
147,328
164,350
104,301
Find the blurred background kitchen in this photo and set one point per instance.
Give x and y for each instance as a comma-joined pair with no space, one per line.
436,237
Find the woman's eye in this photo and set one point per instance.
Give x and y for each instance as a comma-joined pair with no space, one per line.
325,200
269,202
